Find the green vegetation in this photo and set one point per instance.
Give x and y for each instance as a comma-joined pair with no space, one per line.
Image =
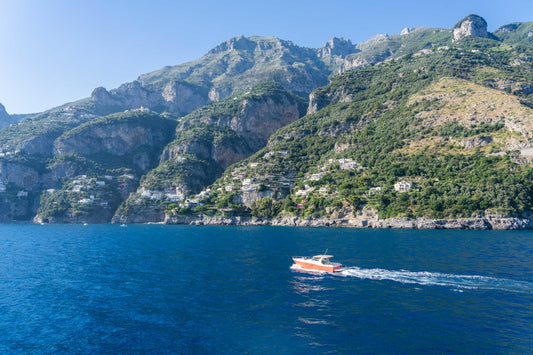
382,131
408,118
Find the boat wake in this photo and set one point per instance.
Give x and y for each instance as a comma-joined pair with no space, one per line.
425,278
459,282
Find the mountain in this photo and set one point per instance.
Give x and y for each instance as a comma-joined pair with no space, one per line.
209,140
235,65
444,133
261,128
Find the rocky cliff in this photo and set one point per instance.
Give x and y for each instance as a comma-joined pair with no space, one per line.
7,119
177,97
211,139
257,119
133,138
337,47
471,25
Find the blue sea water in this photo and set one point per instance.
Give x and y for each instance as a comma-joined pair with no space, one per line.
224,290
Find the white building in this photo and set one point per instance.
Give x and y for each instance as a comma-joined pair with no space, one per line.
174,197
248,181
323,190
317,176
307,191
250,188
403,186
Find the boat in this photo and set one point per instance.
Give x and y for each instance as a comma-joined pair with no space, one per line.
317,263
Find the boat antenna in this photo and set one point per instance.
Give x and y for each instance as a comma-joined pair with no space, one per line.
326,252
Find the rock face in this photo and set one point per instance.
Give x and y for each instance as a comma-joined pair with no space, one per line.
175,97
22,176
472,25
227,139
257,119
3,113
123,140
336,46
236,43
474,142
224,153
5,118
253,125
118,139
24,184
367,221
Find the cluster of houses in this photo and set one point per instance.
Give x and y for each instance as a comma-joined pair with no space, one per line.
173,194
9,153
401,186
84,183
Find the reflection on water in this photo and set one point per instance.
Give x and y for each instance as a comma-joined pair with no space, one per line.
304,285
313,321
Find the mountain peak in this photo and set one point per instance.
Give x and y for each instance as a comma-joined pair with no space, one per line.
336,46
2,111
471,25
3,114
235,43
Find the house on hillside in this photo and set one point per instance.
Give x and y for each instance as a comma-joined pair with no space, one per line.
403,186
317,176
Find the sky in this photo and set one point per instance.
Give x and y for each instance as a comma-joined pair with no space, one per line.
57,51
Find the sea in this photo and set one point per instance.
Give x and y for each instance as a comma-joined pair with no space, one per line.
156,289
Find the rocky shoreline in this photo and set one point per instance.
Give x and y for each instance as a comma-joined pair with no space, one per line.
342,218
481,223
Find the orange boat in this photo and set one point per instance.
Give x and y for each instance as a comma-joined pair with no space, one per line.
317,263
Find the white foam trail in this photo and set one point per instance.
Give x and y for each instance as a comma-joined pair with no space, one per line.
439,279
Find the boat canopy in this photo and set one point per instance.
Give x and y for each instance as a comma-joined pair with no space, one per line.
322,256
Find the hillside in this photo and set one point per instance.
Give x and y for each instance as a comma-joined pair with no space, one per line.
209,140
97,164
442,134
430,123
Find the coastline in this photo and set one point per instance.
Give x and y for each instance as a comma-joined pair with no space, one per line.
481,223
342,218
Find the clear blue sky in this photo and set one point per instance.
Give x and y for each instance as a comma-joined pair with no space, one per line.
56,51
